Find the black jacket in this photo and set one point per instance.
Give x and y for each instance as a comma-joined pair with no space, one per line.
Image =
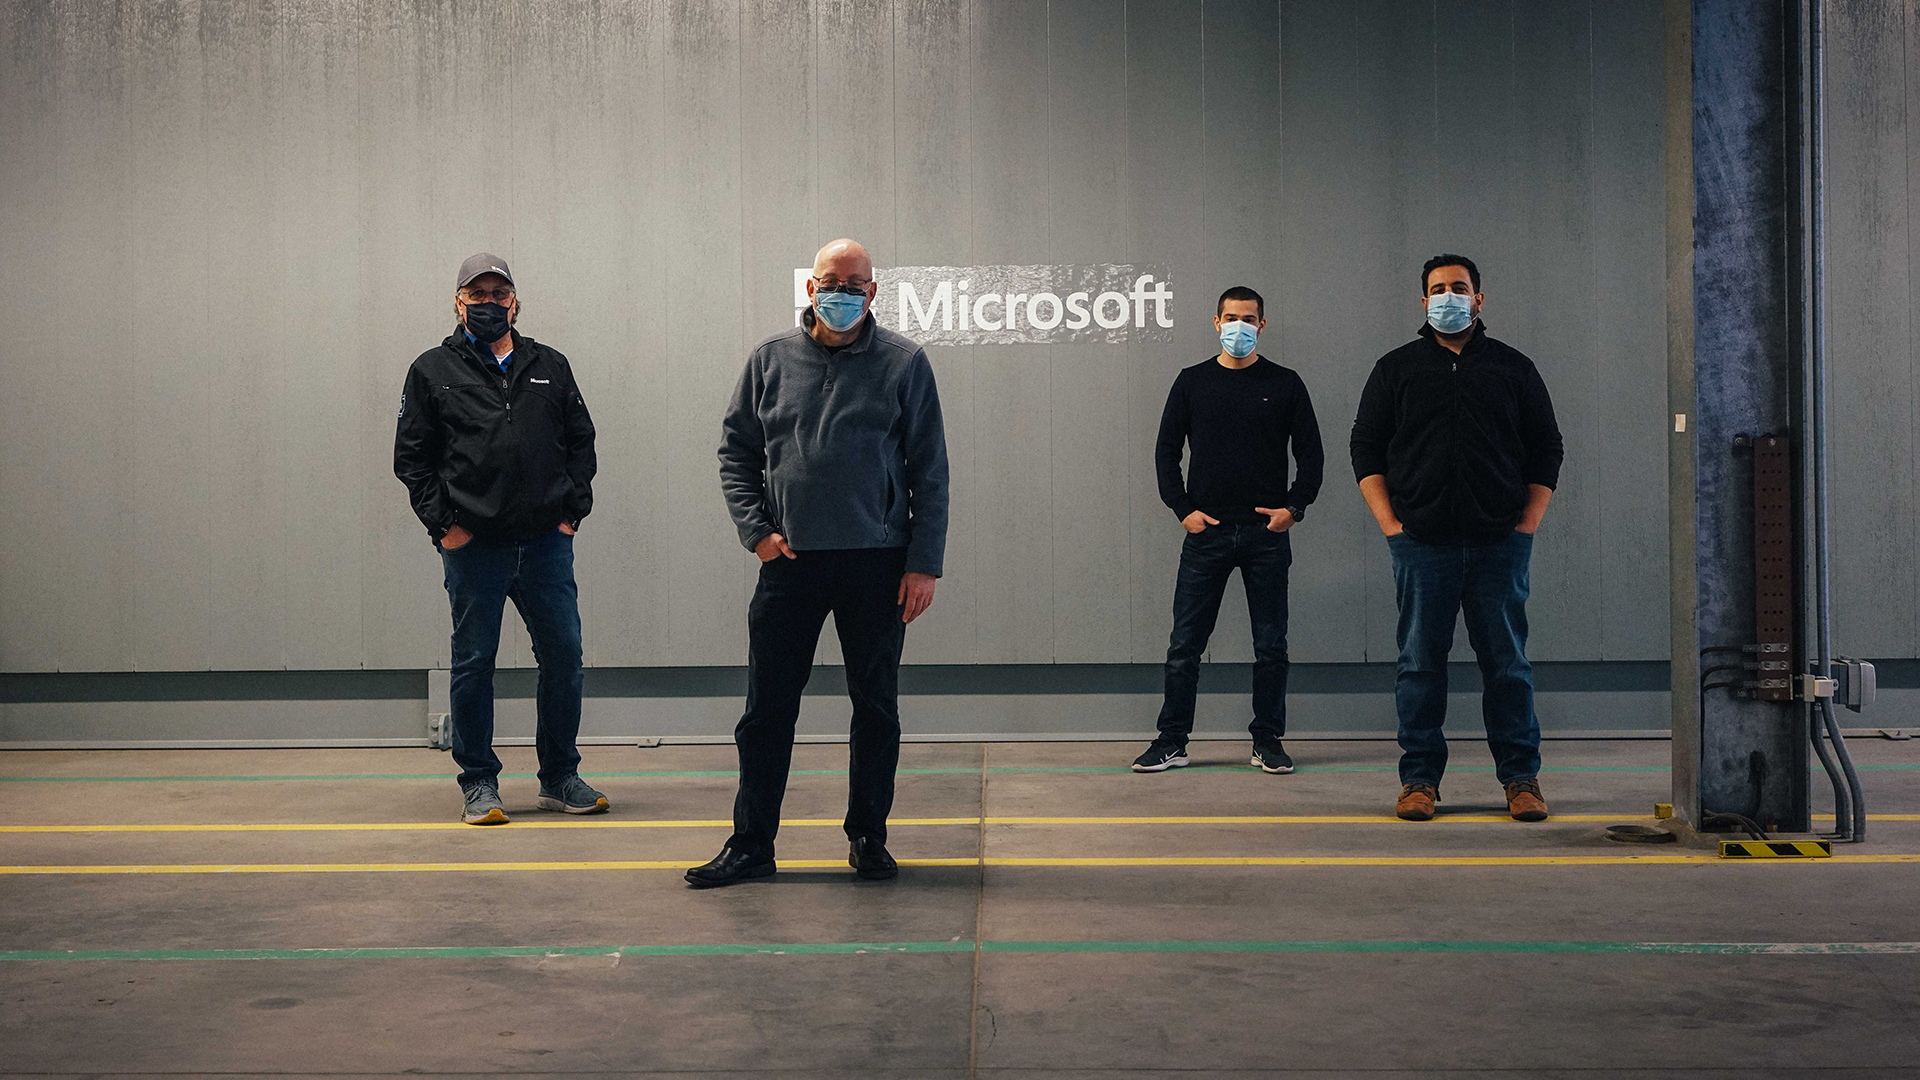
506,456
1458,438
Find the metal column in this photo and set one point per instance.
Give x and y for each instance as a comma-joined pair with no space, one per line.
1736,754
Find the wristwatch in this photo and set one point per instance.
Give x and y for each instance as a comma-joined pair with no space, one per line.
1299,513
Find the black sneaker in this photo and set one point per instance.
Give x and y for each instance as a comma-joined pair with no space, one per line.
1161,756
1271,757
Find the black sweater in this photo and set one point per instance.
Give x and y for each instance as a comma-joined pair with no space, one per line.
1458,437
1237,424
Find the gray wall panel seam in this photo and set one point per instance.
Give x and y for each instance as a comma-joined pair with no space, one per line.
1131,242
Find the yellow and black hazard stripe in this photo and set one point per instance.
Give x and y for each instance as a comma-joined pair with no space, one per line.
1776,849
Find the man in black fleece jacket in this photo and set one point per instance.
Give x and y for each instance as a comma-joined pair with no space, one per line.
1236,413
1457,454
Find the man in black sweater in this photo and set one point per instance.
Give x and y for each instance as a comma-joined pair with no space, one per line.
1457,454
1237,413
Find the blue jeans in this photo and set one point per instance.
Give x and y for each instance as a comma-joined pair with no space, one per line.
538,577
1207,559
1434,583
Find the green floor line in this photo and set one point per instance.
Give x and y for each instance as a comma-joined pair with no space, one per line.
667,774
1675,948
611,952
492,952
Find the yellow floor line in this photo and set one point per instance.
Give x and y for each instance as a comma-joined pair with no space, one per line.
1294,819
991,861
392,826
426,867
1444,818
722,823
1433,860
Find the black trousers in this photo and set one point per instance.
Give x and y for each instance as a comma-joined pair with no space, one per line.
860,587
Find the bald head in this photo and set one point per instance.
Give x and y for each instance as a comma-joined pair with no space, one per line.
843,260
841,289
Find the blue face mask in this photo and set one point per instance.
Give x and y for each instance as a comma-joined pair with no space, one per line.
1238,338
1449,312
839,310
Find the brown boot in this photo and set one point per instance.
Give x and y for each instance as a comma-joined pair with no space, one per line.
1524,801
1416,802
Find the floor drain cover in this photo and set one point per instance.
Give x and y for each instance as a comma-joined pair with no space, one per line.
1639,834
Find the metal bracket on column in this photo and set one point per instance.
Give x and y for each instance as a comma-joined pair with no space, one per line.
439,709
1773,596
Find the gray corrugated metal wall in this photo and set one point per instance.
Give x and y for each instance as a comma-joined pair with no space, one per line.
1873,72
226,228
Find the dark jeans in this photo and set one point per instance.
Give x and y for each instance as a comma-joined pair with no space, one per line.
1434,583
538,577
861,587
1207,559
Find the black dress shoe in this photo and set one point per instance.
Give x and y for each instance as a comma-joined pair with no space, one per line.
870,860
730,866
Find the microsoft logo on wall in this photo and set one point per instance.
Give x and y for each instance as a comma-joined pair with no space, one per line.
1106,303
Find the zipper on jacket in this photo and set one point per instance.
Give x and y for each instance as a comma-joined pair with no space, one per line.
507,390
1453,442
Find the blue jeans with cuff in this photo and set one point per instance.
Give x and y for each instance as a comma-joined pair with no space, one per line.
481,576
1433,584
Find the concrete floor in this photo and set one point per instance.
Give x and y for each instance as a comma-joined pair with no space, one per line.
1307,969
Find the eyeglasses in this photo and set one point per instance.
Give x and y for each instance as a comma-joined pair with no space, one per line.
500,296
841,286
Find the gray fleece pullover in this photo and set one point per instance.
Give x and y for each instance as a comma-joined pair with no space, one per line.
838,449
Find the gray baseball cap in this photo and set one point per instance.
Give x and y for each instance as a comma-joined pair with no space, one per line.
482,263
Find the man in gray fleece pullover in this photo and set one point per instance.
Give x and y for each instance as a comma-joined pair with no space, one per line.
833,462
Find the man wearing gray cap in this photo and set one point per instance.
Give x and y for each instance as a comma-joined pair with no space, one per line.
496,449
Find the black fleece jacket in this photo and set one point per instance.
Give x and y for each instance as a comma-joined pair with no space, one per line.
1458,437
507,456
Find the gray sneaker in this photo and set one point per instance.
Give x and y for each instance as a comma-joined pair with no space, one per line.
573,796
483,804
